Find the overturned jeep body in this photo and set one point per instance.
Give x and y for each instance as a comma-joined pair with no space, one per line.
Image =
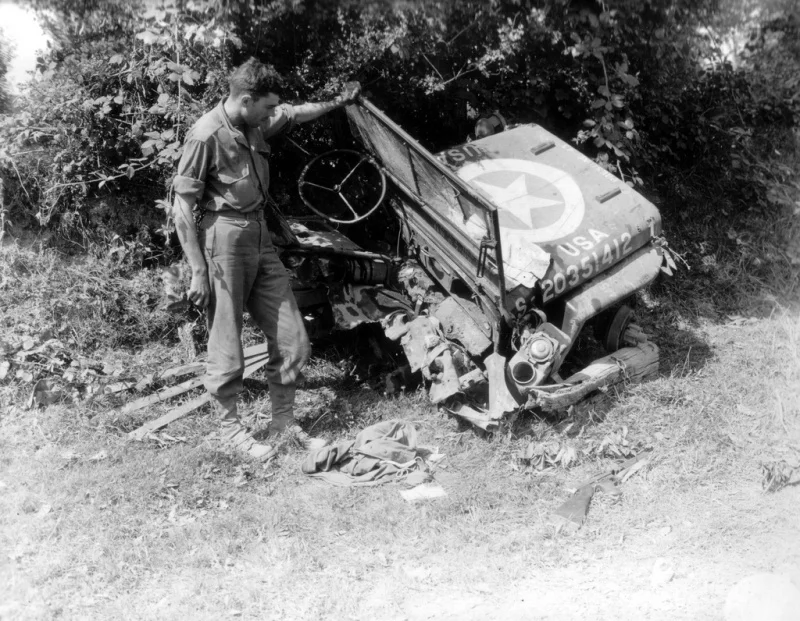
490,259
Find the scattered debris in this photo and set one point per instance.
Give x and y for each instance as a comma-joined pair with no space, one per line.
617,444
426,491
57,375
548,450
541,455
111,389
572,513
778,474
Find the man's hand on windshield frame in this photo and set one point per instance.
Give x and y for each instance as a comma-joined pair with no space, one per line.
350,93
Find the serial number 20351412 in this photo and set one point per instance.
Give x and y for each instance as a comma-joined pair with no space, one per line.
601,256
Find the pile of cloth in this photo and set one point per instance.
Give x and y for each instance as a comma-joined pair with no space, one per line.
384,452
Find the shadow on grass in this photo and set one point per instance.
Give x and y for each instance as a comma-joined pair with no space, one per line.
344,386
735,259
683,350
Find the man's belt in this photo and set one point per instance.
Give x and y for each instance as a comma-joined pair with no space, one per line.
257,214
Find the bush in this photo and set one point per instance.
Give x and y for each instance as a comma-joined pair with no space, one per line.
86,303
647,89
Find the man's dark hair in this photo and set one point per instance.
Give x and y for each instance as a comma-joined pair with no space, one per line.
255,78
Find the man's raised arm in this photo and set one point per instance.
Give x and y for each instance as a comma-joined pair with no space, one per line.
310,111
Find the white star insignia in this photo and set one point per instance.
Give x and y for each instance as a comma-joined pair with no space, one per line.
516,199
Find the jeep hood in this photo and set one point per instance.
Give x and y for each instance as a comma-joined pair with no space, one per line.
554,200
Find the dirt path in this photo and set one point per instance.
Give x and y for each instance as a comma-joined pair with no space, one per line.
624,584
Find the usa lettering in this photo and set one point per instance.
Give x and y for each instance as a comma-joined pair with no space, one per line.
588,255
581,243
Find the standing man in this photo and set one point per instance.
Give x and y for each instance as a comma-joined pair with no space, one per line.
224,175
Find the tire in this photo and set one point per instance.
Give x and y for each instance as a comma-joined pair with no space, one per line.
612,340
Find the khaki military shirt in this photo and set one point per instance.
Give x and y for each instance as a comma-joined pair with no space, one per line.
223,168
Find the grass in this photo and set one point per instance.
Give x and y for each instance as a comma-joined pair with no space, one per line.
93,526
182,529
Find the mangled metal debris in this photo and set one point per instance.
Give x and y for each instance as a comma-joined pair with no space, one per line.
449,340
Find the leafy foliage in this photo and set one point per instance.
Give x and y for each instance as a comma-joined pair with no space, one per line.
667,94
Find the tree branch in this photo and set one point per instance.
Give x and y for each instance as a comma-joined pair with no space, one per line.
106,179
425,56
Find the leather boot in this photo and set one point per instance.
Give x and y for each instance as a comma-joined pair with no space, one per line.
235,435
283,421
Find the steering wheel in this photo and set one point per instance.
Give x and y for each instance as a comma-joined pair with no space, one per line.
333,162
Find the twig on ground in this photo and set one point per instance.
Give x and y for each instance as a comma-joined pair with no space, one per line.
780,415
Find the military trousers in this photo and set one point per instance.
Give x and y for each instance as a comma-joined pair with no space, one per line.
244,272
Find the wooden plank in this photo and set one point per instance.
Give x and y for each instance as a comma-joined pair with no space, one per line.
162,395
181,411
255,351
193,368
173,391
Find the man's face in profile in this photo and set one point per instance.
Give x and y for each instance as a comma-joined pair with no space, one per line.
256,110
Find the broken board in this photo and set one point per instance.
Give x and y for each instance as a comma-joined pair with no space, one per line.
251,354
256,358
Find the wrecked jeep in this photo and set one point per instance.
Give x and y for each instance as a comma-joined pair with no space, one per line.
491,258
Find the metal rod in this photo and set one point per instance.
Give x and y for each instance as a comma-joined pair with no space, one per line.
350,174
321,187
356,254
349,206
